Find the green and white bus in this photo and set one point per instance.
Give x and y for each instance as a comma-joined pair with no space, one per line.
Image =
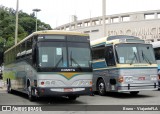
123,64
50,63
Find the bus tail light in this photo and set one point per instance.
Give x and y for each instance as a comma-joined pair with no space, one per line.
120,79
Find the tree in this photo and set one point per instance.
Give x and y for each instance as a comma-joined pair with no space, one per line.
43,26
26,25
1,44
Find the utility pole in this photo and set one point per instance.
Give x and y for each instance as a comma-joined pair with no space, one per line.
104,16
36,10
16,26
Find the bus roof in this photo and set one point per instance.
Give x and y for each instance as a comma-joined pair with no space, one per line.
121,37
156,44
116,39
62,32
98,41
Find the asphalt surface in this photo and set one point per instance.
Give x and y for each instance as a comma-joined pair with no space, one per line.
143,98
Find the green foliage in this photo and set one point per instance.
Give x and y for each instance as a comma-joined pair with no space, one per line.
26,26
1,44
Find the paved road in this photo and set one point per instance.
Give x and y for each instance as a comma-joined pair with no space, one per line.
143,98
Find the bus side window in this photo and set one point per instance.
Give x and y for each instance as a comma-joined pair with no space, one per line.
157,53
109,56
29,44
98,53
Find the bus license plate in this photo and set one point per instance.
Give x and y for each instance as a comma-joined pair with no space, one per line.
68,89
141,78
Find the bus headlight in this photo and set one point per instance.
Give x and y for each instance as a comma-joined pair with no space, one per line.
85,82
53,82
128,79
82,83
153,77
46,83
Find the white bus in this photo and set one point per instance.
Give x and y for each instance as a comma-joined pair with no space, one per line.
123,64
50,63
156,47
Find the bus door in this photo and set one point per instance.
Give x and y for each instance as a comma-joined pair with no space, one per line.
109,56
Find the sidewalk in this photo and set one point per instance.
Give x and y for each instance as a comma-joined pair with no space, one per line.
3,89
2,85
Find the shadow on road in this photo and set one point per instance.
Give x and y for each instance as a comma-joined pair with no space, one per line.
48,100
126,95
66,101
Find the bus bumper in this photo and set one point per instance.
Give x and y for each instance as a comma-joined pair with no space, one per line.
42,92
136,87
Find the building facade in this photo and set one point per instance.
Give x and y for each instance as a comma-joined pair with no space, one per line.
145,25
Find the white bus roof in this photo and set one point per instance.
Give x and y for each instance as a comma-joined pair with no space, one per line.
156,44
116,39
63,32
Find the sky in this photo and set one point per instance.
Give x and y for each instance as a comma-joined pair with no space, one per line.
59,12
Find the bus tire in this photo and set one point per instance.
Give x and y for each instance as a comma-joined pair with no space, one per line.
30,94
134,92
72,98
9,90
101,87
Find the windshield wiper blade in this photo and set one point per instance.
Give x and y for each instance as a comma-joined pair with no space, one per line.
74,61
134,58
61,59
145,58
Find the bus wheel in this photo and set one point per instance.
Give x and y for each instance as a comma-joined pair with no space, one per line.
134,92
30,94
72,98
101,87
9,90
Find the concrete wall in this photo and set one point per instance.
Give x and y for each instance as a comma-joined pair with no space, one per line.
145,25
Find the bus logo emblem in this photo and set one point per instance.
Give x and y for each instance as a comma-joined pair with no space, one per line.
68,70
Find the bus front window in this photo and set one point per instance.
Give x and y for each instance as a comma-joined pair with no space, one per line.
52,54
146,54
134,53
79,55
126,54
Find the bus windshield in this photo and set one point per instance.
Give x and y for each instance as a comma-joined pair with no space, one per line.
79,54
134,53
52,54
63,54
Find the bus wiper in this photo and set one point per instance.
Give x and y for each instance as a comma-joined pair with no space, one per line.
74,61
134,58
145,58
61,59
